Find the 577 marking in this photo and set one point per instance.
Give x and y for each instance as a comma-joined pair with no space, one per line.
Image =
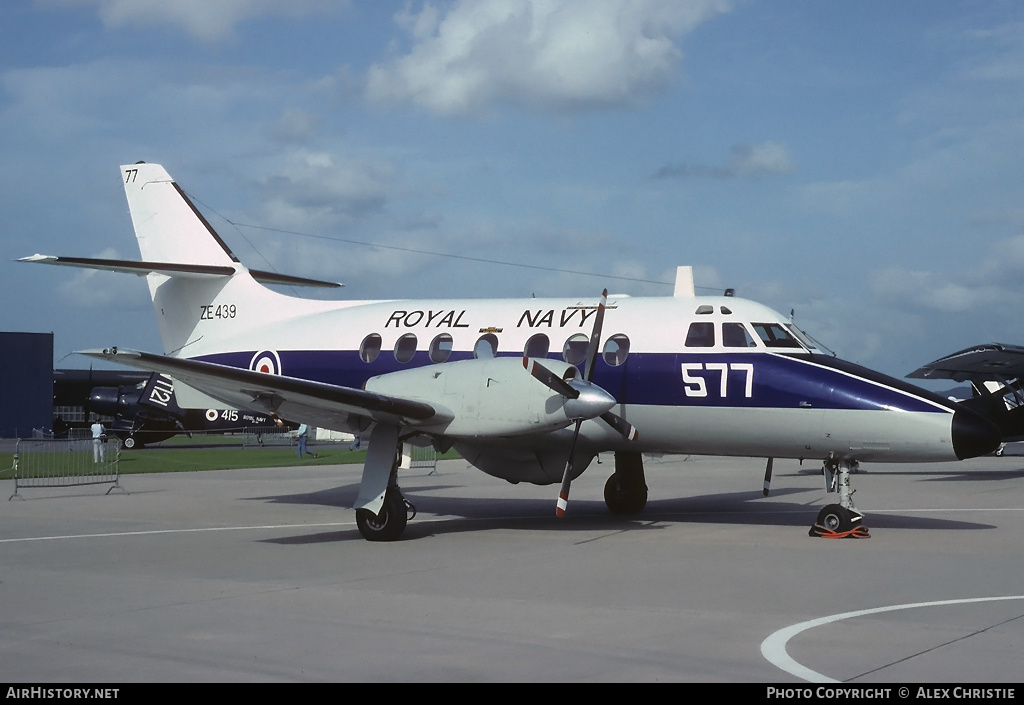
696,386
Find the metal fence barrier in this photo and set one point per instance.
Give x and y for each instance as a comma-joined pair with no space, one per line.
66,463
417,457
261,437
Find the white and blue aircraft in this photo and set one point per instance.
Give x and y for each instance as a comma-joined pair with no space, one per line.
527,390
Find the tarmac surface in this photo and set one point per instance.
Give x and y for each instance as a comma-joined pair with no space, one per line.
261,575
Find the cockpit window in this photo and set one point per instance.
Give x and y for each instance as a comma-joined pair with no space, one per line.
801,336
735,335
700,335
775,335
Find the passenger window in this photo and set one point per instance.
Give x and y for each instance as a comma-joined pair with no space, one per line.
440,348
537,346
735,335
486,346
616,349
575,349
774,335
700,335
369,349
405,347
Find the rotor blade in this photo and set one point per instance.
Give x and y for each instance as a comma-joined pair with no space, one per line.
595,337
549,379
563,493
624,428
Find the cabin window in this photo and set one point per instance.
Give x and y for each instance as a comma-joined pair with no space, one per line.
616,349
705,309
486,347
575,349
735,335
725,310
369,349
440,348
700,335
537,346
775,335
405,347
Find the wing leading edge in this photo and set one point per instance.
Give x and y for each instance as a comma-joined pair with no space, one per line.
327,405
994,361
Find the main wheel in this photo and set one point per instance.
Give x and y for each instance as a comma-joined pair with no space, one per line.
622,498
389,524
835,517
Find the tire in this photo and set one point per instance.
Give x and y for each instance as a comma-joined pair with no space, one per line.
129,442
835,518
622,499
389,524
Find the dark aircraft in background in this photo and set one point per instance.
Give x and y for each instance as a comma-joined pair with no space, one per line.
996,374
149,413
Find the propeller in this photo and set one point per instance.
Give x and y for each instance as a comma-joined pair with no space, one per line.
585,400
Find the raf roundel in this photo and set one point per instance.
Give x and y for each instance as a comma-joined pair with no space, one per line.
211,414
267,362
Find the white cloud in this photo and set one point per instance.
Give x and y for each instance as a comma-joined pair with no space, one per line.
551,54
207,20
932,291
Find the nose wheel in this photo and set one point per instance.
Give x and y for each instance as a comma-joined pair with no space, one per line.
839,521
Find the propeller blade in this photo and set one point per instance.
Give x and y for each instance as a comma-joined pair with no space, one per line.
563,493
549,379
623,427
595,338
768,477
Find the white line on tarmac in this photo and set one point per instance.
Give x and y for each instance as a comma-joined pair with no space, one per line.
774,647
263,527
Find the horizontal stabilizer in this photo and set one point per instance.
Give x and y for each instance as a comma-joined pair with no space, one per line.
173,269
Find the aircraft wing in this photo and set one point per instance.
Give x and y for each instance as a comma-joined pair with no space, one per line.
317,403
994,361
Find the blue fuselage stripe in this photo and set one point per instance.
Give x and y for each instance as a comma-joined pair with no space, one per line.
752,380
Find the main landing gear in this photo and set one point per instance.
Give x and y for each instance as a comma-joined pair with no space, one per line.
626,492
381,510
389,523
842,520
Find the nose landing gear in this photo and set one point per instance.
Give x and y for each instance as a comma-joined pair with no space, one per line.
842,520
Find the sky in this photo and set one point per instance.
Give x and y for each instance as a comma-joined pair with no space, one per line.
858,163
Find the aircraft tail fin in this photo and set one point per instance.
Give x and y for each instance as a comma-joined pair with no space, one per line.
192,274
159,207
171,231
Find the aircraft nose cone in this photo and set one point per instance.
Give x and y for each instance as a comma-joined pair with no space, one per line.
973,435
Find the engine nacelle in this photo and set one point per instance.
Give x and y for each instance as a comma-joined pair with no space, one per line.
112,401
515,464
490,397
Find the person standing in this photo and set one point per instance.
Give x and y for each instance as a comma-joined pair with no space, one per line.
99,442
303,437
